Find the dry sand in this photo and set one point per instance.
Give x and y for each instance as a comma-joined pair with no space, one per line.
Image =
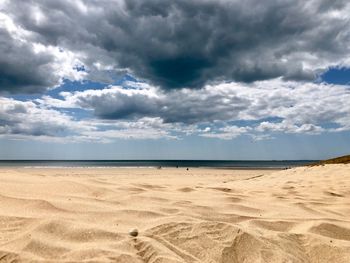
200,215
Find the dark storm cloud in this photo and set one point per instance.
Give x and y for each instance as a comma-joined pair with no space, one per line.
177,44
21,69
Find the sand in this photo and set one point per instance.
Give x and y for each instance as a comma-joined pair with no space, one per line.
200,215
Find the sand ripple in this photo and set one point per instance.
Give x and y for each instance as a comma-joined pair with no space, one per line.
297,215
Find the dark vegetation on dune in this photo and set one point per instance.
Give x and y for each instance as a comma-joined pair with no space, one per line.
342,159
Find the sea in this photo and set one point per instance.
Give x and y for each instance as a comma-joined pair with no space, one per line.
223,164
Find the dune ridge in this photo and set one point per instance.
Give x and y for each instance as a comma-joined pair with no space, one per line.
200,215
338,160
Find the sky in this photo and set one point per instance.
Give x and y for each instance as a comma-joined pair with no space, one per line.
174,79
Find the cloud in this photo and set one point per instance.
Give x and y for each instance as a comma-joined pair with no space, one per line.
28,120
177,44
144,128
27,66
186,106
287,127
217,69
273,105
227,132
140,111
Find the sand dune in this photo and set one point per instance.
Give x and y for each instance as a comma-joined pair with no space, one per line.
200,215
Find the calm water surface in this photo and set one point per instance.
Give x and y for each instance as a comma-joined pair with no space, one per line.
155,163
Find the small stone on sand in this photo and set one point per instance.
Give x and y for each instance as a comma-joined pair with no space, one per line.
133,232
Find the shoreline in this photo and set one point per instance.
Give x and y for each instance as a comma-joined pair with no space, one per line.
145,167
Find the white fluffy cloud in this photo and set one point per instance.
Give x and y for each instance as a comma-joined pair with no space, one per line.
289,127
267,107
141,111
28,120
18,118
227,132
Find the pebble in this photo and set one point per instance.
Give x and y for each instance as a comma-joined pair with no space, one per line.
133,232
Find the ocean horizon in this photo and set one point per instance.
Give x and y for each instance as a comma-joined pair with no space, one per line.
229,164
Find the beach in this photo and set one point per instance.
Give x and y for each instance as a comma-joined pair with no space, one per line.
196,215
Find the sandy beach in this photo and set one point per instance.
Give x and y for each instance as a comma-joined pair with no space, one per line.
200,215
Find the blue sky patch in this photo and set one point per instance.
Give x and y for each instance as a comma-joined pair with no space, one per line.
340,76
